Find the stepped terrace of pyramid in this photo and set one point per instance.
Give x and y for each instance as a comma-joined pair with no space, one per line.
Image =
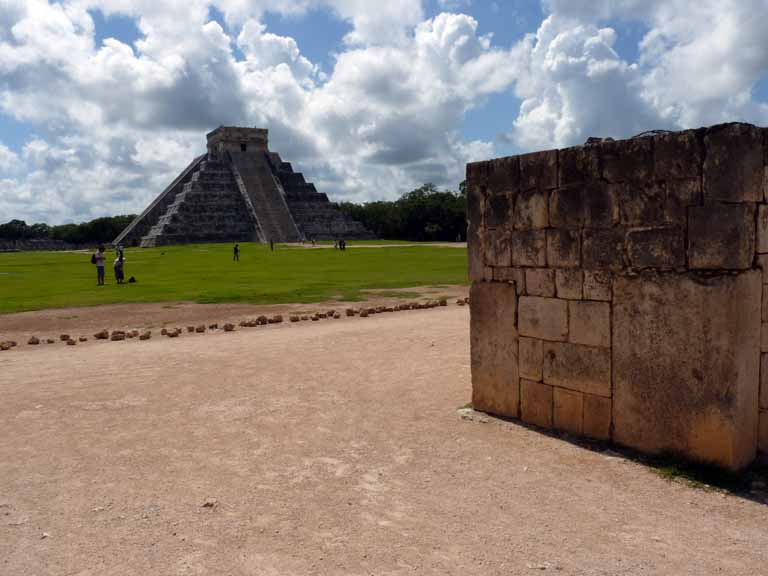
239,191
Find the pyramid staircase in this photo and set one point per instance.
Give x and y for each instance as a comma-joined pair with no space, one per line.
209,208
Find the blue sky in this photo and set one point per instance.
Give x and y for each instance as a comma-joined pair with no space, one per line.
369,100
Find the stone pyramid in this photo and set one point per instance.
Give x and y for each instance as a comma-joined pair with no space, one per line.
239,191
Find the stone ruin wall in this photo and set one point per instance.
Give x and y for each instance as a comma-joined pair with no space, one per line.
617,287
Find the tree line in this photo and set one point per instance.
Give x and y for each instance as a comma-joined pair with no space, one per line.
100,230
423,214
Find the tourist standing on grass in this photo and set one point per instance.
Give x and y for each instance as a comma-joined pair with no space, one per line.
271,245
98,259
119,272
236,253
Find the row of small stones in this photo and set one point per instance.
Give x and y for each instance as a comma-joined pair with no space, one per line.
118,335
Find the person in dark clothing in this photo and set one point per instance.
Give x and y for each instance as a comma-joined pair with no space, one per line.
271,245
236,253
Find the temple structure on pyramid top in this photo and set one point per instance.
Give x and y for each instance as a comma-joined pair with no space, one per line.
239,191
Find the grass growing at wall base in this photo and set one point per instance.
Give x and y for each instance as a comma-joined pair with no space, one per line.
205,273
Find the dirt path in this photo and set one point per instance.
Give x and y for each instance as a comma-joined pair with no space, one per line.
322,448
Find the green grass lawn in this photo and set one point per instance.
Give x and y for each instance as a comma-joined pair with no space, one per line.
205,273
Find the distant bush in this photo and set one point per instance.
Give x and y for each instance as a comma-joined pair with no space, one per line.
424,214
100,230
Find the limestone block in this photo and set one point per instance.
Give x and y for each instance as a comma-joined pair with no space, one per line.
597,417
475,204
577,367
603,249
497,211
762,229
498,251
686,351
762,263
589,323
765,303
532,210
678,155
563,248
477,173
536,403
598,286
531,358
721,236
568,410
538,170
764,338
578,165
733,168
625,160
681,194
662,248
642,203
475,253
592,204
762,442
529,248
493,343
516,275
540,282
569,283
503,176
764,381
545,318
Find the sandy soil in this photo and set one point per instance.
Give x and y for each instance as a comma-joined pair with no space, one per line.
88,320
324,448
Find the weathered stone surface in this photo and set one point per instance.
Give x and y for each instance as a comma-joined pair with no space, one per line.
503,175
529,248
516,275
494,348
569,283
577,367
545,318
563,248
102,335
764,338
625,160
721,237
598,286
764,381
603,249
678,155
536,403
540,282
568,410
578,165
762,440
531,358
33,341
498,249
733,169
597,417
531,210
642,203
762,229
686,377
593,204
681,194
661,248
498,211
589,323
475,252
538,170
